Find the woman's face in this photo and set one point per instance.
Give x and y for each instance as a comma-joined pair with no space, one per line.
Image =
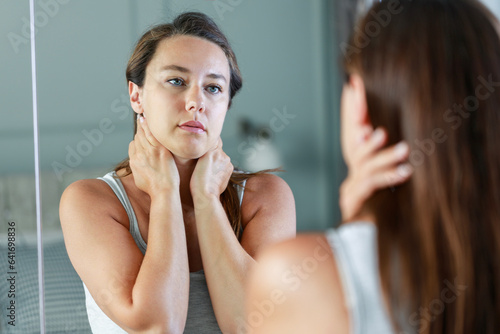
185,95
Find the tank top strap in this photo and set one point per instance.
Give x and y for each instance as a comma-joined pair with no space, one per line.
117,186
354,246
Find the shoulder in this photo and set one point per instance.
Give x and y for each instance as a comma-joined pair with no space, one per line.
82,192
89,197
306,250
264,192
267,212
303,273
267,181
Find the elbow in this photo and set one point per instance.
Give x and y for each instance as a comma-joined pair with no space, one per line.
231,325
166,327
170,328
161,324
230,330
147,316
173,327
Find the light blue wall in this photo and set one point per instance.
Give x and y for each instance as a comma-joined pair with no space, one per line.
16,134
494,6
85,118
281,48
284,51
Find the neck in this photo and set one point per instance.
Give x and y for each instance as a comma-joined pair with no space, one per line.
185,168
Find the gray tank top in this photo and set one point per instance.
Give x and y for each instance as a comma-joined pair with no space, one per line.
200,317
354,246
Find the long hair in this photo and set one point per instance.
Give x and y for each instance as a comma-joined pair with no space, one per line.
201,26
431,70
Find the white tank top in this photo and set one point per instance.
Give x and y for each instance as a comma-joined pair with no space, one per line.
354,246
200,317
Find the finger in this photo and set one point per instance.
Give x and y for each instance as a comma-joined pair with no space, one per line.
131,148
147,136
364,134
131,153
375,141
230,169
387,158
355,193
218,144
141,142
390,178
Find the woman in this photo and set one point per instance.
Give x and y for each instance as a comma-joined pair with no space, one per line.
162,243
421,257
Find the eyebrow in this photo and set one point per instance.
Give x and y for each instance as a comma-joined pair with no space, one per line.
175,68
186,70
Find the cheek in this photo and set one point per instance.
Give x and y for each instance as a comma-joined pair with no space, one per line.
217,122
345,133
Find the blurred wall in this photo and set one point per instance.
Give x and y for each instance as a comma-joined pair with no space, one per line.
286,50
494,5
16,125
289,96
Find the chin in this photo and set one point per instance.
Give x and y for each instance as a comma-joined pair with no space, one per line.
188,154
186,149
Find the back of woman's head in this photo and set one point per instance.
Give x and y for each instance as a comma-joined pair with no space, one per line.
431,70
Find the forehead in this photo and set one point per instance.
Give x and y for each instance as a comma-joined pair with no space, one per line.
196,54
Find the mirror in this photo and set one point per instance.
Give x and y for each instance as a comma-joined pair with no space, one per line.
285,115
282,116
18,244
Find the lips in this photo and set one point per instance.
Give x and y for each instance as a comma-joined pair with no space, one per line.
193,126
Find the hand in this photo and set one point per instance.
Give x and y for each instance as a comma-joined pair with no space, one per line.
211,174
372,169
152,165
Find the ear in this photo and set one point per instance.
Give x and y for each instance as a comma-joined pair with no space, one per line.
135,93
361,110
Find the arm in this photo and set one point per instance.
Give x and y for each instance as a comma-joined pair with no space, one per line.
126,285
140,293
268,215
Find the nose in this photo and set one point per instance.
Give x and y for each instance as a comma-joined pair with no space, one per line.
194,100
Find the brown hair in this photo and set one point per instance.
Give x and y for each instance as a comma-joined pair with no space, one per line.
426,77
201,26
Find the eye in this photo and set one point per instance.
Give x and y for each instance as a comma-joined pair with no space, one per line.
214,89
176,82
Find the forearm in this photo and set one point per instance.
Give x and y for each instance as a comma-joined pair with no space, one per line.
225,262
161,290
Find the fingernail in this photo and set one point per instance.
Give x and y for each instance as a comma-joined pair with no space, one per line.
401,149
378,136
404,170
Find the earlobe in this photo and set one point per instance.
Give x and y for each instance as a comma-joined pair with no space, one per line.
135,97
